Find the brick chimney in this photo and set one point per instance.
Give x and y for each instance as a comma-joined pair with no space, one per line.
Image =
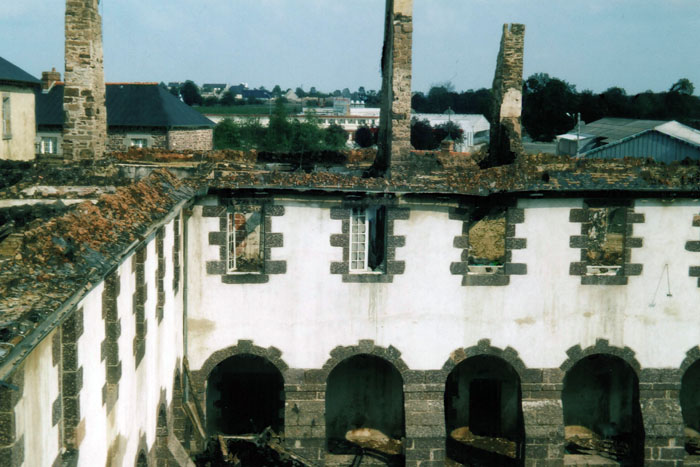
395,113
49,78
507,105
85,125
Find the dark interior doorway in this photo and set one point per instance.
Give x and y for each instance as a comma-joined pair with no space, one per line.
483,413
245,394
690,406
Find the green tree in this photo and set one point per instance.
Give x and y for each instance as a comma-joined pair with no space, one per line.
422,136
277,91
190,93
335,137
228,98
211,101
546,102
683,86
227,135
279,131
450,129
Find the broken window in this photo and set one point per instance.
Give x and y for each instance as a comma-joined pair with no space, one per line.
487,241
368,239
245,230
606,236
6,117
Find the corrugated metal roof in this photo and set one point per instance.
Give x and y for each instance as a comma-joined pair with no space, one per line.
615,129
680,131
13,73
147,105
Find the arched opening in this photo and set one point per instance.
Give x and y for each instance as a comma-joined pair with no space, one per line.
690,407
365,409
483,413
602,416
141,460
245,394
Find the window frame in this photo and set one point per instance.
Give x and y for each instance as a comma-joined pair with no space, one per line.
53,140
231,238
369,244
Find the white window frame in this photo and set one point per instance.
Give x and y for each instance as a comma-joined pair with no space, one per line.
359,236
231,266
52,143
140,143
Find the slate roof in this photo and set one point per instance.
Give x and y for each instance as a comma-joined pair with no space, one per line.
14,74
129,105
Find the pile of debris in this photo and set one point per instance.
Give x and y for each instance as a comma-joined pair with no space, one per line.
254,450
582,440
496,445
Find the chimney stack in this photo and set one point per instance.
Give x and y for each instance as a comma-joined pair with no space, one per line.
507,106
85,125
395,113
49,78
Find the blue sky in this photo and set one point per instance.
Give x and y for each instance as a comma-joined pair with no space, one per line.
333,44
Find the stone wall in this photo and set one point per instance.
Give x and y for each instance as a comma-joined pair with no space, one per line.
119,139
85,126
507,104
191,139
395,115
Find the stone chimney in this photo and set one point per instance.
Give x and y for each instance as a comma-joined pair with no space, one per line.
507,106
85,124
395,113
49,78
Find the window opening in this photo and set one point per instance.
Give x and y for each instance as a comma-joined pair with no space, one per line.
245,253
368,239
6,118
139,142
487,241
606,237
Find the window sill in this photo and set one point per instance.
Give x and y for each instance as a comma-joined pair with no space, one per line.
484,270
243,273
7,136
603,270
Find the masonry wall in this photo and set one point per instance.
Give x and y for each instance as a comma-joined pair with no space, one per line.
427,317
191,140
83,398
85,126
20,146
119,138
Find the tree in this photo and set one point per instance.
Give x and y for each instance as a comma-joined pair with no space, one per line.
300,92
546,102
422,137
228,98
227,135
364,137
346,93
211,101
683,86
277,91
450,129
190,93
335,137
279,131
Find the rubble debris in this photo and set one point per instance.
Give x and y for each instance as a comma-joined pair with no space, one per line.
369,438
582,440
692,441
497,445
253,450
606,236
487,238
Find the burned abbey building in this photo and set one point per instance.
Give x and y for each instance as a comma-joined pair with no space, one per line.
542,312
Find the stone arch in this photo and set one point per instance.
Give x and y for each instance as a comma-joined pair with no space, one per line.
365,347
484,347
691,356
142,458
603,347
272,354
160,453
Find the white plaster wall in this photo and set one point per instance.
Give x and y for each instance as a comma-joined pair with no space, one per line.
23,125
33,411
426,313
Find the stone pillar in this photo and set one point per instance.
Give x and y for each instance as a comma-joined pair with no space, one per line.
304,414
659,397
395,114
424,406
85,124
543,415
506,133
